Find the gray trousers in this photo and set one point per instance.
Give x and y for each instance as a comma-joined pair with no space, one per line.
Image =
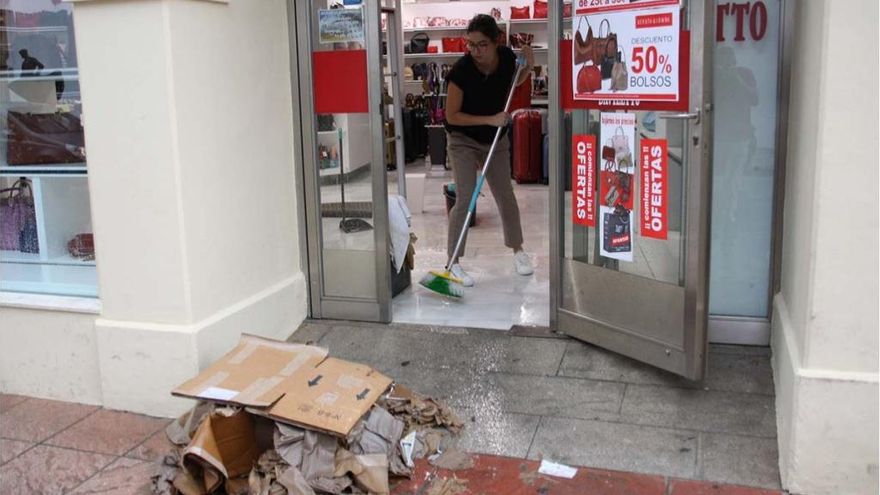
466,157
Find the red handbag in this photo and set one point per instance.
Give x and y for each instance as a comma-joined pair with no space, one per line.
589,79
566,10
453,45
519,13
540,9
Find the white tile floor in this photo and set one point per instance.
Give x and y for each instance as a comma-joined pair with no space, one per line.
500,298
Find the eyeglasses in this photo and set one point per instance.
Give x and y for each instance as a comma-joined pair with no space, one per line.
482,45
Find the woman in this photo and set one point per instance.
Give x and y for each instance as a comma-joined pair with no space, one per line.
477,90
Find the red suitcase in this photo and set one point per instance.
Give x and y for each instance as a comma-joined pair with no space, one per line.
527,147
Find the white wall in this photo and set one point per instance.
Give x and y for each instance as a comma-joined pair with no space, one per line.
189,131
825,317
49,354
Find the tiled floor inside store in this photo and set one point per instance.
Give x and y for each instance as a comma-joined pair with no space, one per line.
636,430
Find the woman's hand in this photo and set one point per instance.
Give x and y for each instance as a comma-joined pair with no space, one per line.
500,119
529,53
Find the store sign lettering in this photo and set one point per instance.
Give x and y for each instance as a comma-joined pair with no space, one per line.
583,179
754,12
655,182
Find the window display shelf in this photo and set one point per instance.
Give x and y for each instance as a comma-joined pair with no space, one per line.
435,28
433,55
35,29
65,169
35,258
65,75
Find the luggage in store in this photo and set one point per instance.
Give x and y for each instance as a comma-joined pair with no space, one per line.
527,149
545,179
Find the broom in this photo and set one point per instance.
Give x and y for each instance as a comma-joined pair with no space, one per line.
442,281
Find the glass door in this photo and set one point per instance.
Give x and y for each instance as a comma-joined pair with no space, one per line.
631,141
342,120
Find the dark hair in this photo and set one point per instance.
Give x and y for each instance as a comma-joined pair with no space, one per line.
486,25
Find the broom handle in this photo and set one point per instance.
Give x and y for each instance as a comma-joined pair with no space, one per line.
520,63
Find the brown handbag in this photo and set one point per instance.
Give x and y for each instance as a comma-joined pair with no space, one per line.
39,139
595,48
583,48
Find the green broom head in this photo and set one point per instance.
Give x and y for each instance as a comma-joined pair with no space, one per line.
443,283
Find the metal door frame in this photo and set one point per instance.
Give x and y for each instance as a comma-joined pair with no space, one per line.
689,359
301,24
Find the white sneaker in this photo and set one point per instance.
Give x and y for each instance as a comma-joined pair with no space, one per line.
459,273
523,263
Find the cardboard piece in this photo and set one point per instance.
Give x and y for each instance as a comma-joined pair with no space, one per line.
331,398
252,373
223,447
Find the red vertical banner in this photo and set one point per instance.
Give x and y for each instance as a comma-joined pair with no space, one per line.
655,188
340,81
583,181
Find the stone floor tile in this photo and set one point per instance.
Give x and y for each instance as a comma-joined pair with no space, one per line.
588,361
624,447
721,412
123,477
109,432
472,350
35,420
742,350
540,395
502,434
10,449
689,487
46,470
8,401
507,476
310,331
153,448
739,460
747,373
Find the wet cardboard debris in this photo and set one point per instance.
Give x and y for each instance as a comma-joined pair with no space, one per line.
275,418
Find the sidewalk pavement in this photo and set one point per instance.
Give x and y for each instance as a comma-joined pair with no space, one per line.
49,447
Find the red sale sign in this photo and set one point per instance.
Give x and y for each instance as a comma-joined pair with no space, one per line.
655,188
583,179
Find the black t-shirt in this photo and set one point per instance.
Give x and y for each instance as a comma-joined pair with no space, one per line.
483,95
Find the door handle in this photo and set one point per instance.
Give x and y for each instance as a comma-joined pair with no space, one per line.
695,116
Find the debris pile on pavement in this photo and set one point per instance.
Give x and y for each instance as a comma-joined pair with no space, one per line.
275,418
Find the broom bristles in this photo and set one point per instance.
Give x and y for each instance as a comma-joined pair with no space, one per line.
442,283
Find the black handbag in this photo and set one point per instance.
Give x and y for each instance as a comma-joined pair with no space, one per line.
326,122
618,235
419,43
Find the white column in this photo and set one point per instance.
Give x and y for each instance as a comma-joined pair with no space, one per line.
189,131
825,320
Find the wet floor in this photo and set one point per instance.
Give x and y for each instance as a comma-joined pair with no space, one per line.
552,397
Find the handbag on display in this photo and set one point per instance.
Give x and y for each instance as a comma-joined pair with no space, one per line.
620,141
421,22
617,236
589,79
419,43
453,45
519,13
519,40
18,219
82,246
608,153
36,139
438,22
619,74
566,10
15,209
540,9
583,48
326,122
496,13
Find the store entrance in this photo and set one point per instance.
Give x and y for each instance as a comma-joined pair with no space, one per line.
375,131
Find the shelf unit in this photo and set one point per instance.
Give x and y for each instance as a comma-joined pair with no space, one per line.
60,190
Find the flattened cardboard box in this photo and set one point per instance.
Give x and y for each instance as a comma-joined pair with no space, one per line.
252,374
331,398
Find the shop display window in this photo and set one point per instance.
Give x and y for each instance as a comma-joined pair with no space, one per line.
46,243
